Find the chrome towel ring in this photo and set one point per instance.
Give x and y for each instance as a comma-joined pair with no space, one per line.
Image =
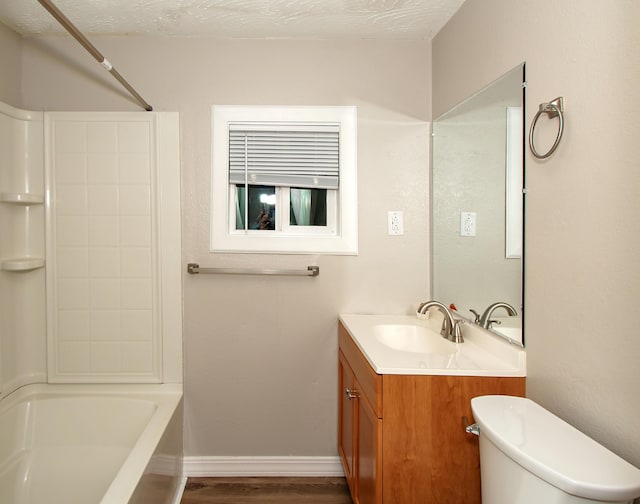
554,108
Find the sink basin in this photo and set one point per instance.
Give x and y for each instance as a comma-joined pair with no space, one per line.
413,338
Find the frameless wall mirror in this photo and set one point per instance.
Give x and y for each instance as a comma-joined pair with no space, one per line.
477,205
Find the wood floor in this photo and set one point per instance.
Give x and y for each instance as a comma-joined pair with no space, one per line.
259,490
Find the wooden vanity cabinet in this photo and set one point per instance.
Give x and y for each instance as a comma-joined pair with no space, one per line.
401,438
360,437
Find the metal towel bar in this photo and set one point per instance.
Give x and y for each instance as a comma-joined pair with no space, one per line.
194,269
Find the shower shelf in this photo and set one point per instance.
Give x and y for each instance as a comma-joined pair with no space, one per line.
22,264
22,198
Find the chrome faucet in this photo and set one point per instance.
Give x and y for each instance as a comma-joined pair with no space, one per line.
450,328
485,319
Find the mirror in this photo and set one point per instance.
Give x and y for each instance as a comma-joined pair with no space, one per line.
477,204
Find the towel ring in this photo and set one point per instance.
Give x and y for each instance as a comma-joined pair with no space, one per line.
553,108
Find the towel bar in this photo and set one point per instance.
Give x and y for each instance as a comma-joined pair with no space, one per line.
554,108
194,269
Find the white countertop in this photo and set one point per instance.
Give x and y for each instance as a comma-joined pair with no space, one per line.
481,354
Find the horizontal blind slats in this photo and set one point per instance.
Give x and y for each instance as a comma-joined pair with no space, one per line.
301,155
277,126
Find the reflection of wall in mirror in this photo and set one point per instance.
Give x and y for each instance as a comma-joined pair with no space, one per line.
470,175
514,184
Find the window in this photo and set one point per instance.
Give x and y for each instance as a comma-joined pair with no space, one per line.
284,180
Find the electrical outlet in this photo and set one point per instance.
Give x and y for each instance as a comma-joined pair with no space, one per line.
395,222
467,223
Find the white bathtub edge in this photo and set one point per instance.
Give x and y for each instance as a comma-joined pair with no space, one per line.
131,472
166,399
180,490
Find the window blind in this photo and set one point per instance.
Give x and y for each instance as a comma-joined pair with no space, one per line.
285,154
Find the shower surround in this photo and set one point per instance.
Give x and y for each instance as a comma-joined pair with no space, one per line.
90,276
104,248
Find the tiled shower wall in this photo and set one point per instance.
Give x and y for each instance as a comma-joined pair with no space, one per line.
102,264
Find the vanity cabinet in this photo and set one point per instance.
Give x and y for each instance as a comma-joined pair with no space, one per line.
360,431
401,438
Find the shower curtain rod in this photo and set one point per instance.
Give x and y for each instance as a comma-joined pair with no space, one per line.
77,34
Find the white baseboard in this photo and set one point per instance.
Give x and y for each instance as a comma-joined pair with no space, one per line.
262,466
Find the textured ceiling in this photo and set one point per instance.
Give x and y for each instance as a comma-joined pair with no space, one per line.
399,19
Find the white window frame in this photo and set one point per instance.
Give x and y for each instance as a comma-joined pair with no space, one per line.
339,237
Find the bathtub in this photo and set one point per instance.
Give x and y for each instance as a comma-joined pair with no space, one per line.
91,444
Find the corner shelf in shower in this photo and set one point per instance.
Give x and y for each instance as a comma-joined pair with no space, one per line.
28,262
22,198
22,263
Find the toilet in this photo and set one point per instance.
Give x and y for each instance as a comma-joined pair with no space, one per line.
530,456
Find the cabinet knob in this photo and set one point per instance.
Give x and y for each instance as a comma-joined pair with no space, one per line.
351,393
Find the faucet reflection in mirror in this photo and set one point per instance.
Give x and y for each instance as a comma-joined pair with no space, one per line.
477,168
486,319
509,328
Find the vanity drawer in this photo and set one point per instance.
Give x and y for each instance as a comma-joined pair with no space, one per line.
370,382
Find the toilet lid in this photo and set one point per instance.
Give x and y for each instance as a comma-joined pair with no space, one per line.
553,450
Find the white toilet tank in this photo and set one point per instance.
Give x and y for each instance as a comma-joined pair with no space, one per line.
530,456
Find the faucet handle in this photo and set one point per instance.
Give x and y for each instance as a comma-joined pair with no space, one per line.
476,316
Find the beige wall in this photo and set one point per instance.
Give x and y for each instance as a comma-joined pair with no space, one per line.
582,208
261,353
10,66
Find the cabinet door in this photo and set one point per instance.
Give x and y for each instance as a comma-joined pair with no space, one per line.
347,414
369,454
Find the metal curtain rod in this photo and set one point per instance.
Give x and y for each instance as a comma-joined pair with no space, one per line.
194,269
77,34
